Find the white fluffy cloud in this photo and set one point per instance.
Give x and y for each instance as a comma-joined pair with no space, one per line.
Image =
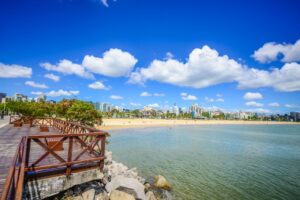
67,67
271,51
154,105
135,104
14,71
207,99
147,94
116,97
105,3
52,77
61,92
98,86
274,104
186,96
114,63
254,104
205,67
36,85
37,93
253,95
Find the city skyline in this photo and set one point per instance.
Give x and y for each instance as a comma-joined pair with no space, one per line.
157,59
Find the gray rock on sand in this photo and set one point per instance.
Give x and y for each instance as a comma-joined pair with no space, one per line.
129,183
161,182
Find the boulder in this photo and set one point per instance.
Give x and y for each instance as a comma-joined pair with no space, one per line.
150,196
161,182
129,183
101,196
89,194
147,187
119,195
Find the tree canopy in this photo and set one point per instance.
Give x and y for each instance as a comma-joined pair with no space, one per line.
73,110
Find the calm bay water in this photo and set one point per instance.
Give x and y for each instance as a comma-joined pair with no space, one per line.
216,161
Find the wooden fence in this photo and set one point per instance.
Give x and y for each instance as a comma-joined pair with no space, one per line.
74,149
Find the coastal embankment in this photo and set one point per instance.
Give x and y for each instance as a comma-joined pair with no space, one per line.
118,182
116,123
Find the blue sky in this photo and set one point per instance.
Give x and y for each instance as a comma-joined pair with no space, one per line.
208,52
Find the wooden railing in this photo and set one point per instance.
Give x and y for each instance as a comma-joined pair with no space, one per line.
15,179
76,148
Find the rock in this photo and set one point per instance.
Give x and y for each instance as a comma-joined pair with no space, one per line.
129,183
89,194
161,182
101,196
147,187
77,198
150,196
119,195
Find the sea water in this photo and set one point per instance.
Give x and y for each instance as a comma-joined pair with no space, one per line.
216,161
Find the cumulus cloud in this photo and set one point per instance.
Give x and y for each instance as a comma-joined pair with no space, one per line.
67,67
154,105
254,104
61,92
36,85
207,99
186,96
169,55
14,71
116,97
271,51
147,94
134,104
52,77
274,104
105,3
98,86
291,106
253,95
37,93
114,63
205,67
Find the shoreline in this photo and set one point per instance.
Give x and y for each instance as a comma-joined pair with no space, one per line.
127,123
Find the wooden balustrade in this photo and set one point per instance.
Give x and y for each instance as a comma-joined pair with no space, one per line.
74,149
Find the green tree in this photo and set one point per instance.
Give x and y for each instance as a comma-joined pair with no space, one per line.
83,113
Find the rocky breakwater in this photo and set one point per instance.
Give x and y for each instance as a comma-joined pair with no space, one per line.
118,183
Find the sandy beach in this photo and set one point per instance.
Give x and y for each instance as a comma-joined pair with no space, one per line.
110,124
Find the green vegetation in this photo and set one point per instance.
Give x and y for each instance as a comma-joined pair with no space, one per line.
73,110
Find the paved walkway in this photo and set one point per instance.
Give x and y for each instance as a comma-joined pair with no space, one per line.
4,121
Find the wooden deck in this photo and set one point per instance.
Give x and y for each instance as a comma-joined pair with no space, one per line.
10,137
79,149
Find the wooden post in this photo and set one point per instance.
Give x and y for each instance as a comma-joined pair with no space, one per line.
70,150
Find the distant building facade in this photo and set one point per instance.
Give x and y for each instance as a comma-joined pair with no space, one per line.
2,96
196,111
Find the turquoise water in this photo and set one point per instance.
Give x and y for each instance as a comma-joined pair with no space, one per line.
216,161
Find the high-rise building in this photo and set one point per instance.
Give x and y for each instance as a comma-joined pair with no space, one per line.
2,95
105,107
175,110
41,98
196,111
295,116
20,97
